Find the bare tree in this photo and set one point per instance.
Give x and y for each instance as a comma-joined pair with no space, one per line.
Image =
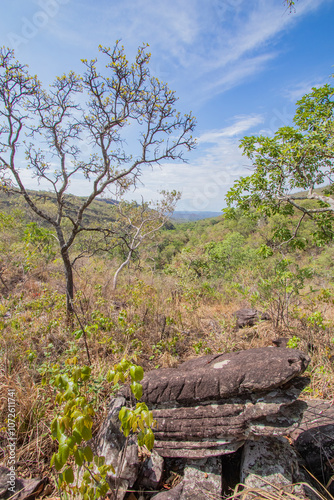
139,223
45,131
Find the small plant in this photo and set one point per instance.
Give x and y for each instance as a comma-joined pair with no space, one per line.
316,320
201,346
279,292
293,343
72,428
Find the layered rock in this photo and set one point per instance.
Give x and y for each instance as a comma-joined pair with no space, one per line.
209,406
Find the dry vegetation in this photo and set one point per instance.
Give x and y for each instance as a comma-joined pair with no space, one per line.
155,318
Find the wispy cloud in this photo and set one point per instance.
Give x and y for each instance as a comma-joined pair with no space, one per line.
211,42
241,125
297,91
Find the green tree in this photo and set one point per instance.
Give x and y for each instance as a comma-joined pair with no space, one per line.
51,126
291,167
139,223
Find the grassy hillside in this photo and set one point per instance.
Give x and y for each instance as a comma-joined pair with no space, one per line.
175,300
101,210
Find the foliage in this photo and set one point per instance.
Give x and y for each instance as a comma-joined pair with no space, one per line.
51,127
280,291
39,241
157,319
72,428
137,223
295,158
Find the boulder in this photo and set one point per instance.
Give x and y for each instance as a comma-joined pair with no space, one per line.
150,474
209,406
202,480
314,440
281,341
271,464
249,317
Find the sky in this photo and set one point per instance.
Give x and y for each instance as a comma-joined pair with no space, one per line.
238,65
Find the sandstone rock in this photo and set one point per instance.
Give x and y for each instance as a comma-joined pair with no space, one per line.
202,480
217,377
150,475
208,406
110,443
173,494
317,413
216,429
314,440
281,341
249,317
272,465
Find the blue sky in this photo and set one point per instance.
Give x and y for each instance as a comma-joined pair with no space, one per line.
238,65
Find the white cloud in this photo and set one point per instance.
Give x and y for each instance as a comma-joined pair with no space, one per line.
241,125
298,90
205,180
190,40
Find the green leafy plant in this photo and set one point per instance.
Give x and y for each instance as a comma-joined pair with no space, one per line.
294,342
278,292
72,427
201,346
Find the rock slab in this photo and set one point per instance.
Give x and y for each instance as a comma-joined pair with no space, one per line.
24,489
209,406
217,377
314,440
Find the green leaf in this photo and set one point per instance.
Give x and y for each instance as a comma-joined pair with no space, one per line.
149,439
68,475
78,334
63,453
86,433
123,414
79,423
110,376
137,390
137,373
71,441
77,436
85,372
57,462
86,476
79,457
88,453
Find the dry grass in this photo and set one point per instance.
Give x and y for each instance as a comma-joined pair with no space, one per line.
161,326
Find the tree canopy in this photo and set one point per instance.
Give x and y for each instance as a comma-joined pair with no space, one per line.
294,165
79,127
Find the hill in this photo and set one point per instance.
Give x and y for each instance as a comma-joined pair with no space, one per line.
186,216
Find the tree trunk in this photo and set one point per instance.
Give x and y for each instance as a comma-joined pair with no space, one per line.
69,282
120,269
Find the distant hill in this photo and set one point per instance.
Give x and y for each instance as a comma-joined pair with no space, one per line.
184,216
100,210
